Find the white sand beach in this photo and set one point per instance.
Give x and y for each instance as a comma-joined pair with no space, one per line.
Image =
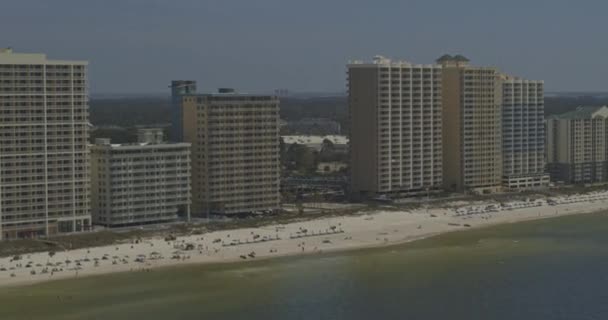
310,237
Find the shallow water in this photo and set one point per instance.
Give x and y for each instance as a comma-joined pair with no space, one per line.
548,269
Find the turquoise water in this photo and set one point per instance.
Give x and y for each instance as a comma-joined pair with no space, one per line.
549,269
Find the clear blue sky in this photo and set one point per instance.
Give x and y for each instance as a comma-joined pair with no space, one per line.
138,46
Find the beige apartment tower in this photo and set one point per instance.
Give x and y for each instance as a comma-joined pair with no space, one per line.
44,166
235,152
577,145
472,137
140,183
396,128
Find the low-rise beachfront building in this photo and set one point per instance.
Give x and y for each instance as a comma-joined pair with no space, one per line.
339,143
576,145
140,183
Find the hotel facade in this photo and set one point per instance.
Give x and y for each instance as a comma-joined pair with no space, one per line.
44,156
235,152
450,126
179,88
472,135
577,149
140,183
523,134
396,128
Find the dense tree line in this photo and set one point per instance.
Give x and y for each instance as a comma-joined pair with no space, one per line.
156,110
128,112
298,159
334,108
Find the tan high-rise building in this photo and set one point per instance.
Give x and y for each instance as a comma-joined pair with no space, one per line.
472,136
577,145
235,152
395,128
44,160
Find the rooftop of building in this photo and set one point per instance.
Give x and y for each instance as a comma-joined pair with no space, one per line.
507,78
457,58
583,112
100,143
314,140
379,60
229,92
8,56
146,138
182,82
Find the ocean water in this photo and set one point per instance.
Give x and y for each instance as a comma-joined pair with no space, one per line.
548,269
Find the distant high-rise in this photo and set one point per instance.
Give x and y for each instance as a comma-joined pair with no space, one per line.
235,151
44,158
472,134
179,88
395,128
577,145
523,134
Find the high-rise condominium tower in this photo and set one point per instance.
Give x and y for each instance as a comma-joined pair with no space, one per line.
577,145
472,134
235,152
44,179
395,128
523,134
179,88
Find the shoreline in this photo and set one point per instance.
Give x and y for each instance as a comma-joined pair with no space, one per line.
369,230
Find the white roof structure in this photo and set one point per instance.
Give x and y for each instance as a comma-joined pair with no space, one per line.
315,141
381,61
7,56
